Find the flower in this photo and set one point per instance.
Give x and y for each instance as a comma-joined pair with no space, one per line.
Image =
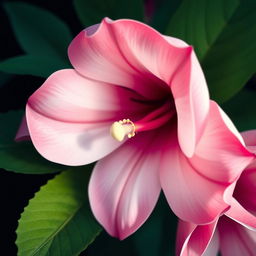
137,101
233,233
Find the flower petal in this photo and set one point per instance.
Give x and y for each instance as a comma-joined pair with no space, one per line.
147,50
250,140
191,196
124,186
69,143
197,240
69,97
214,246
174,62
249,137
236,240
127,53
240,215
98,56
69,117
246,188
184,232
220,154
191,97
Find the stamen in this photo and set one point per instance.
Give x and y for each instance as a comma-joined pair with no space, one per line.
151,121
121,128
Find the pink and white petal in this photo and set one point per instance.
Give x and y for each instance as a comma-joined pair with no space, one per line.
214,246
97,54
175,41
235,239
250,140
23,133
241,215
69,117
69,97
198,240
174,62
220,154
69,143
249,137
124,186
184,232
191,98
192,197
147,50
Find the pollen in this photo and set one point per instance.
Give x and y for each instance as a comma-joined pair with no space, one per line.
120,129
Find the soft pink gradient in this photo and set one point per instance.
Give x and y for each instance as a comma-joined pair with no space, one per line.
235,231
184,144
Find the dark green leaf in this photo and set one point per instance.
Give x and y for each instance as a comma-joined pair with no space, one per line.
154,238
32,65
38,31
164,10
4,78
223,34
92,12
58,220
241,109
20,156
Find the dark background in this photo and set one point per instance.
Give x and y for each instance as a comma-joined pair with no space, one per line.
17,189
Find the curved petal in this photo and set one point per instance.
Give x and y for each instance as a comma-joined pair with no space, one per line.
22,133
236,240
69,117
69,143
184,232
249,137
67,96
191,97
214,246
220,154
240,215
246,188
127,53
191,196
176,64
147,50
250,140
124,186
197,240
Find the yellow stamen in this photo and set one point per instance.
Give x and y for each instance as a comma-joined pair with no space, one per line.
119,129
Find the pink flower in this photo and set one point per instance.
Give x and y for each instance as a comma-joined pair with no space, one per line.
132,79
235,232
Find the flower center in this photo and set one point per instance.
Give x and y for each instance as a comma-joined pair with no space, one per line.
153,120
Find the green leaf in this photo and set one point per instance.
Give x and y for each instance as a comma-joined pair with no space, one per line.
20,157
4,78
241,109
38,31
31,65
58,220
163,12
92,12
223,34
